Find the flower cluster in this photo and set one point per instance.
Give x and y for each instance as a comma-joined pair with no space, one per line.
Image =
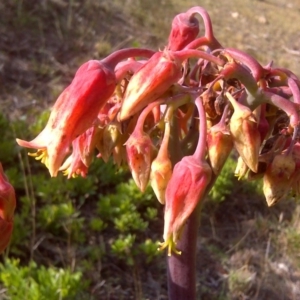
174,116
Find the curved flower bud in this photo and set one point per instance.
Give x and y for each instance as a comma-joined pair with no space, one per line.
246,137
219,144
161,168
140,153
185,28
7,208
140,149
110,137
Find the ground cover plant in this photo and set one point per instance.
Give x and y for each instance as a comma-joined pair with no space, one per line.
126,243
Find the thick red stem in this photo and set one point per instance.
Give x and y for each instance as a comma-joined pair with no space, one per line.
189,53
256,69
182,268
114,58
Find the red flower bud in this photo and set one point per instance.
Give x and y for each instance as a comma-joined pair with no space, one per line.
140,153
150,82
7,208
219,144
185,28
155,77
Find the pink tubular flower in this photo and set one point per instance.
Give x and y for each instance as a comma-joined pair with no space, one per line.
7,208
73,113
150,82
186,187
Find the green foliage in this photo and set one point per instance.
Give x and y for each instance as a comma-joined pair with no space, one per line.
38,282
225,182
128,213
123,247
6,141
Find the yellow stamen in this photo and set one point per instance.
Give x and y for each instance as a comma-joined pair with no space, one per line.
67,172
41,155
171,245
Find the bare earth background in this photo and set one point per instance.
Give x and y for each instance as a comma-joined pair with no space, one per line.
246,251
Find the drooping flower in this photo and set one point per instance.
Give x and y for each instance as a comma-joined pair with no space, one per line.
140,150
184,191
73,113
7,208
150,82
188,183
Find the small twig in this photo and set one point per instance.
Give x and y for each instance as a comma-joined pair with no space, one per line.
291,51
239,242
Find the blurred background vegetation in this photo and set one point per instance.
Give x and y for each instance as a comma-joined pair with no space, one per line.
96,238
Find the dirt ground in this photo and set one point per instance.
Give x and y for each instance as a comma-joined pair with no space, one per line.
245,250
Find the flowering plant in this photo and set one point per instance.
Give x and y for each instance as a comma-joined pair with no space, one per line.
173,117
